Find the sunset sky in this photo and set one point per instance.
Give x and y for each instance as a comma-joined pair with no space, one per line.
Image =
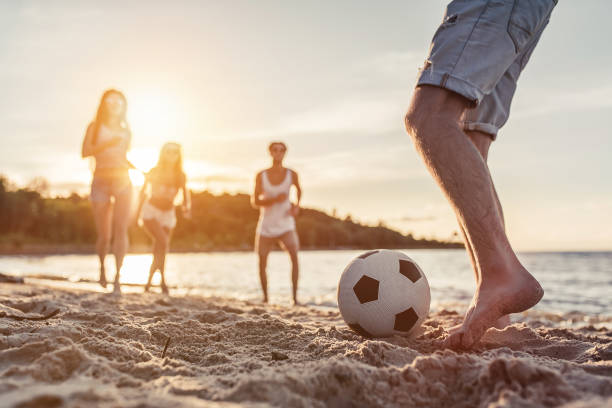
330,78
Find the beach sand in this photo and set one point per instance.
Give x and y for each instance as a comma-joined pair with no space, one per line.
102,350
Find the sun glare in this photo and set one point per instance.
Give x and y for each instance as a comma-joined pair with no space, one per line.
135,269
154,115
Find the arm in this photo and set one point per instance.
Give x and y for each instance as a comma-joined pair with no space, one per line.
296,183
186,199
295,208
89,149
142,195
256,199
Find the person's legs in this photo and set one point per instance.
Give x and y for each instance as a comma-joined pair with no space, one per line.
162,260
102,212
482,142
263,246
291,244
121,214
463,98
505,286
161,238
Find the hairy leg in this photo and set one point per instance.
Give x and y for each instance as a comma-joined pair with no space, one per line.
264,245
102,215
121,214
482,142
505,286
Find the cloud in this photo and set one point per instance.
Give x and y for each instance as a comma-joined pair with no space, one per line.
555,101
363,108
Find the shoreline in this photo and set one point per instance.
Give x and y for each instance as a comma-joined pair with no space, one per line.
105,350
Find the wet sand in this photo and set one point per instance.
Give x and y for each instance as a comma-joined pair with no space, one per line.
101,350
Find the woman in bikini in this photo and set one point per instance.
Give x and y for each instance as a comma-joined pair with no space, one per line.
158,215
107,140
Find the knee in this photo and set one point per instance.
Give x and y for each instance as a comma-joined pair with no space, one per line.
431,111
104,240
161,245
419,118
263,261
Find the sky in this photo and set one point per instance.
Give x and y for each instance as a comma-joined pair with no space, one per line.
332,80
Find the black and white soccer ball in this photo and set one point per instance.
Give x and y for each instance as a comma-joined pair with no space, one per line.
382,293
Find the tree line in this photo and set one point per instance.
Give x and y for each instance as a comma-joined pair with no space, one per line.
32,222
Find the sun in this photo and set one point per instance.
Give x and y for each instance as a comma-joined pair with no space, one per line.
154,114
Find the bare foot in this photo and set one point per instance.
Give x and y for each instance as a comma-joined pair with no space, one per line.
102,280
502,322
296,303
492,301
265,299
117,289
164,289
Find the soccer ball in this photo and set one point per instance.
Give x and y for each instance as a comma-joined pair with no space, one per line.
382,293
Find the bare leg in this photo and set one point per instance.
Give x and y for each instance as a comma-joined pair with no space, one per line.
161,240
264,245
482,142
152,270
291,244
102,216
162,259
120,226
505,286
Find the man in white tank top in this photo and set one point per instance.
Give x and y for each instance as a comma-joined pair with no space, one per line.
276,215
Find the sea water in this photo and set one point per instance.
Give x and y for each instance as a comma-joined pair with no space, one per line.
573,281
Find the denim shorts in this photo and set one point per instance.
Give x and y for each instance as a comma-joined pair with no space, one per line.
479,51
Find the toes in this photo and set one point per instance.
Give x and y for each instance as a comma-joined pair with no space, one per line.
502,322
467,340
453,341
454,329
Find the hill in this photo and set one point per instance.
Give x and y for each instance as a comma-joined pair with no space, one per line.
33,223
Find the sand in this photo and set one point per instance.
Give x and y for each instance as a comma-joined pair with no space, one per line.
106,351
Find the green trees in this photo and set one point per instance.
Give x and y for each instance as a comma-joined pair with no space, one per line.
28,219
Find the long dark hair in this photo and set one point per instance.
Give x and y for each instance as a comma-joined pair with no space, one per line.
177,172
102,114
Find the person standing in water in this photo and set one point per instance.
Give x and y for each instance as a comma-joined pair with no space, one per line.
108,139
277,215
158,215
462,99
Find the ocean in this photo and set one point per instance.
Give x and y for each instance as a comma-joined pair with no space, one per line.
573,281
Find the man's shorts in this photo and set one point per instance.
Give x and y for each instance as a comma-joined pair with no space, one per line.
289,242
479,51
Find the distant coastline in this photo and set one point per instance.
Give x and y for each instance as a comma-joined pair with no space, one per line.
33,224
46,250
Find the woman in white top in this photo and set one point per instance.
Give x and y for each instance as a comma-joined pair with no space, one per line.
108,140
277,215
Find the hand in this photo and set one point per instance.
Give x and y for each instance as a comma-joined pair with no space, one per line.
115,141
280,198
294,211
187,212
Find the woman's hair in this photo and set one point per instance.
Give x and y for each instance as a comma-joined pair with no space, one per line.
178,173
102,114
272,144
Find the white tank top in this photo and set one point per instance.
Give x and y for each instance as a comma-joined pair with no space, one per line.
275,220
